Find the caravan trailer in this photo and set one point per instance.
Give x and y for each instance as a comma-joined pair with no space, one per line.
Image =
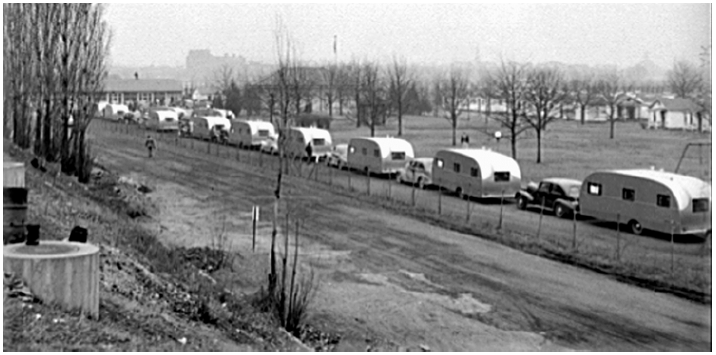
162,119
379,155
250,134
114,111
648,199
298,139
208,127
476,172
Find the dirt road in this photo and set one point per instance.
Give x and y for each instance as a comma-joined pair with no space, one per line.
392,277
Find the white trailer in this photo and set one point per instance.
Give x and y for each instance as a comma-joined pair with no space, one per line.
162,119
648,199
114,111
384,155
477,173
250,133
298,138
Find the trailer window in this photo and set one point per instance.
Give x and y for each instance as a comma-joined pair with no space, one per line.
473,172
700,205
502,176
263,133
397,155
663,201
628,194
319,142
439,163
594,189
456,167
376,153
364,151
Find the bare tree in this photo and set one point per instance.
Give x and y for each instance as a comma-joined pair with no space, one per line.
584,91
454,95
400,81
509,83
373,99
611,89
331,82
684,79
544,91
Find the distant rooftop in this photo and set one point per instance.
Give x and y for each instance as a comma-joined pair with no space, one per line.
143,85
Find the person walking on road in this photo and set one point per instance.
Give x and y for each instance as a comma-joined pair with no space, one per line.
151,145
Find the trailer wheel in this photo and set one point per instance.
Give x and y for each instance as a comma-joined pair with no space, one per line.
636,227
460,193
521,202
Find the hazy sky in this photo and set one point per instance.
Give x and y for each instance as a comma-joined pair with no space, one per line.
162,34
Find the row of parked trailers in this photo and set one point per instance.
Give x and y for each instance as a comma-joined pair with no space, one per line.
654,199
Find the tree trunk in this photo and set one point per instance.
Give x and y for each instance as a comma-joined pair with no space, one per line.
539,145
454,129
47,150
400,120
38,133
582,110
611,123
330,107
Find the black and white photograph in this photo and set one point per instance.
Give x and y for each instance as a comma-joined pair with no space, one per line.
365,177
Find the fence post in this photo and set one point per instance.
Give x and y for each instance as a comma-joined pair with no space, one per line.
467,206
412,195
502,202
349,181
389,187
317,170
539,225
672,246
367,179
330,176
440,200
574,229
619,237
261,160
238,154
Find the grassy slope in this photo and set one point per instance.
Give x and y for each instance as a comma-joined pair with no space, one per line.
143,305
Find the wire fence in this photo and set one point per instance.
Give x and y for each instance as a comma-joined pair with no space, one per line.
670,260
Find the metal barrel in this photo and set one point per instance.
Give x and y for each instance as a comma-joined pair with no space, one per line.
14,214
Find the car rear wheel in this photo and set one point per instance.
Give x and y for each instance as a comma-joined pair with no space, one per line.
522,203
636,227
560,211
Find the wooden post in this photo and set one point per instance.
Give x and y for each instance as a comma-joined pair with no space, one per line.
539,225
574,230
619,237
208,147
367,179
389,187
467,213
502,202
330,176
672,246
412,195
440,200
349,182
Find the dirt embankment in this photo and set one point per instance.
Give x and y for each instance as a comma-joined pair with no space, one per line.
152,298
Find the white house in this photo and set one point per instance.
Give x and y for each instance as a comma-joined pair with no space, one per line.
678,114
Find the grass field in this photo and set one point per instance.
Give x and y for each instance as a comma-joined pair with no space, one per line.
569,149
